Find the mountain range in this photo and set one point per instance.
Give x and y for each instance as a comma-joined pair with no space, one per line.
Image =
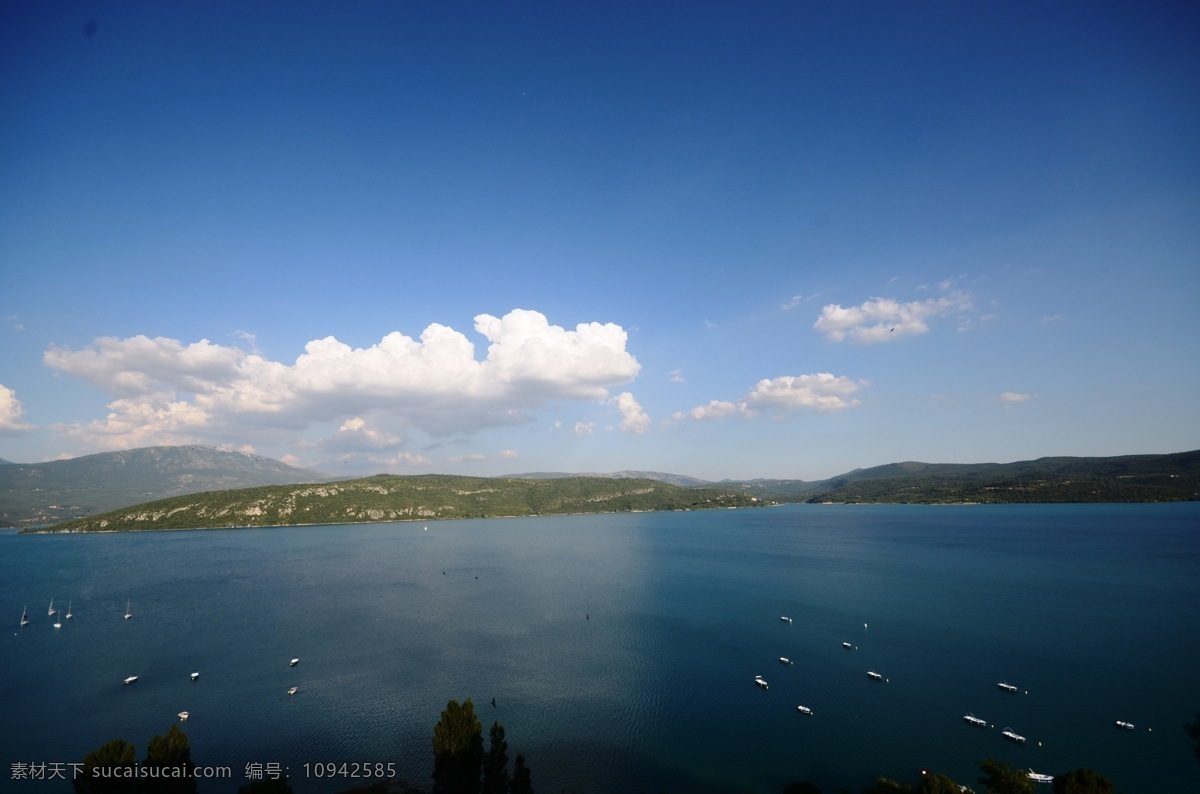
42,494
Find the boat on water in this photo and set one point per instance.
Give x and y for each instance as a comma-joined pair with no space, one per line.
785,618
128,611
195,676
130,679
58,623
1039,778
847,645
183,715
874,675
762,682
804,709
1007,687
52,610
293,690
1009,733
68,615
25,616
294,662
971,718
784,660
1129,726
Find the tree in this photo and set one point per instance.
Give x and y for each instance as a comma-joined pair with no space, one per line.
1000,778
457,750
117,759
1193,731
522,780
495,766
933,783
1082,781
168,755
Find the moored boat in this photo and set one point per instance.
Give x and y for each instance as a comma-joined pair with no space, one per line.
804,709
762,682
785,618
784,660
1009,733
847,645
1007,687
183,715
1039,778
294,662
293,690
1129,726
195,676
971,718
874,675
130,679
25,616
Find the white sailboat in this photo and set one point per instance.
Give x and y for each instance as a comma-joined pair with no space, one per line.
52,610
68,615
58,622
128,613
25,616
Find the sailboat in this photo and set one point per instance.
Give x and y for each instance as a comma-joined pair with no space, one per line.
128,614
68,615
51,610
25,616
58,623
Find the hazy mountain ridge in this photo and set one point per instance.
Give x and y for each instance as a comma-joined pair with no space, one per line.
43,493
426,497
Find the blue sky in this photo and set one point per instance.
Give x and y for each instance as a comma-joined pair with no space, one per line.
718,239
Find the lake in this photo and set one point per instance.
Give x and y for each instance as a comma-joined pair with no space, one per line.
621,649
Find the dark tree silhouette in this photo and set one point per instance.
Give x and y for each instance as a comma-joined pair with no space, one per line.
170,753
522,780
1000,778
115,754
933,783
457,750
495,765
1082,781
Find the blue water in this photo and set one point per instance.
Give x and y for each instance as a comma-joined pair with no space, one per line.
621,649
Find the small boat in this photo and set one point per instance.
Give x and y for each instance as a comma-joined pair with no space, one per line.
971,718
293,690
847,645
785,618
130,679
784,660
25,616
1007,687
52,610
68,615
874,675
58,623
294,662
762,682
1126,725
195,676
1039,778
1009,733
804,709
128,611
183,715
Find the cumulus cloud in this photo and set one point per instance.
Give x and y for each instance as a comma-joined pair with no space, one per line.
583,428
816,393
167,389
633,418
11,412
886,319
1011,398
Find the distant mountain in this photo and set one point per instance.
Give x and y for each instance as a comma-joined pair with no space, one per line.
47,493
1128,478
427,497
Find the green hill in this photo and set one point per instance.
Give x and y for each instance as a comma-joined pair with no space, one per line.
416,498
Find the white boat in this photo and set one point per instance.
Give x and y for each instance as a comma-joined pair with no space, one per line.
128,611
293,690
1007,687
785,618
1009,733
130,679
847,645
183,715
294,662
971,718
1039,778
195,676
68,615
762,682
1126,725
52,610
58,622
804,709
784,660
25,616
875,675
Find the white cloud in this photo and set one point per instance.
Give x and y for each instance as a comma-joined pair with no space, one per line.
167,389
584,428
467,458
816,393
886,319
508,454
792,302
676,376
11,412
1011,398
633,418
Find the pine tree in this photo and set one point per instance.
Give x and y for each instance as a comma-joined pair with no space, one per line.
115,754
522,781
169,754
495,766
457,750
